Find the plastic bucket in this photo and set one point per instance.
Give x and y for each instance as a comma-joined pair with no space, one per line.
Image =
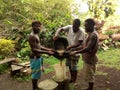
60,72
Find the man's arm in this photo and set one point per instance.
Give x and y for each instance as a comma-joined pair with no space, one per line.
75,45
65,28
91,44
43,51
32,41
46,49
57,33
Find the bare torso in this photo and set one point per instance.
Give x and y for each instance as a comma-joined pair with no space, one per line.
34,42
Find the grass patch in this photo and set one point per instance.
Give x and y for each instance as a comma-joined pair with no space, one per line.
101,73
23,78
3,68
110,57
50,61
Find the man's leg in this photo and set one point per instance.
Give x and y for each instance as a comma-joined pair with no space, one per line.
68,63
71,75
74,67
75,75
36,72
34,84
89,75
90,87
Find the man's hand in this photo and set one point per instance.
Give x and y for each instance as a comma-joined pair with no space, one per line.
43,69
68,48
67,51
50,52
73,52
55,38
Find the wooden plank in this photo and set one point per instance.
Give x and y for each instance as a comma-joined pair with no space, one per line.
116,37
16,67
26,71
7,60
27,64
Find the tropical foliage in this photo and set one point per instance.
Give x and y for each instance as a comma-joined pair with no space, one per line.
16,17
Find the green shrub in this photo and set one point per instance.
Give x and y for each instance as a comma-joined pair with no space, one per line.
3,68
6,47
109,32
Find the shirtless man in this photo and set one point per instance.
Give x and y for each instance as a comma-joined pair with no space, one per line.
36,50
89,52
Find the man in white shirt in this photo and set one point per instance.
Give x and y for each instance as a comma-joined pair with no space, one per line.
76,38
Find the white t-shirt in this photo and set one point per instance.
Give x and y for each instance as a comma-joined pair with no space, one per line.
72,37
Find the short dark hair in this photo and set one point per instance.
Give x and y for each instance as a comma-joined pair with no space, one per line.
77,22
90,21
36,22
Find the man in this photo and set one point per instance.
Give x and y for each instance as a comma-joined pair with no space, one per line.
75,37
36,50
89,52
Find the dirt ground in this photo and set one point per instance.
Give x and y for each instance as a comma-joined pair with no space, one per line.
106,79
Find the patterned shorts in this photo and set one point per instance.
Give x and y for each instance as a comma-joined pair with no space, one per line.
72,62
89,72
35,65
